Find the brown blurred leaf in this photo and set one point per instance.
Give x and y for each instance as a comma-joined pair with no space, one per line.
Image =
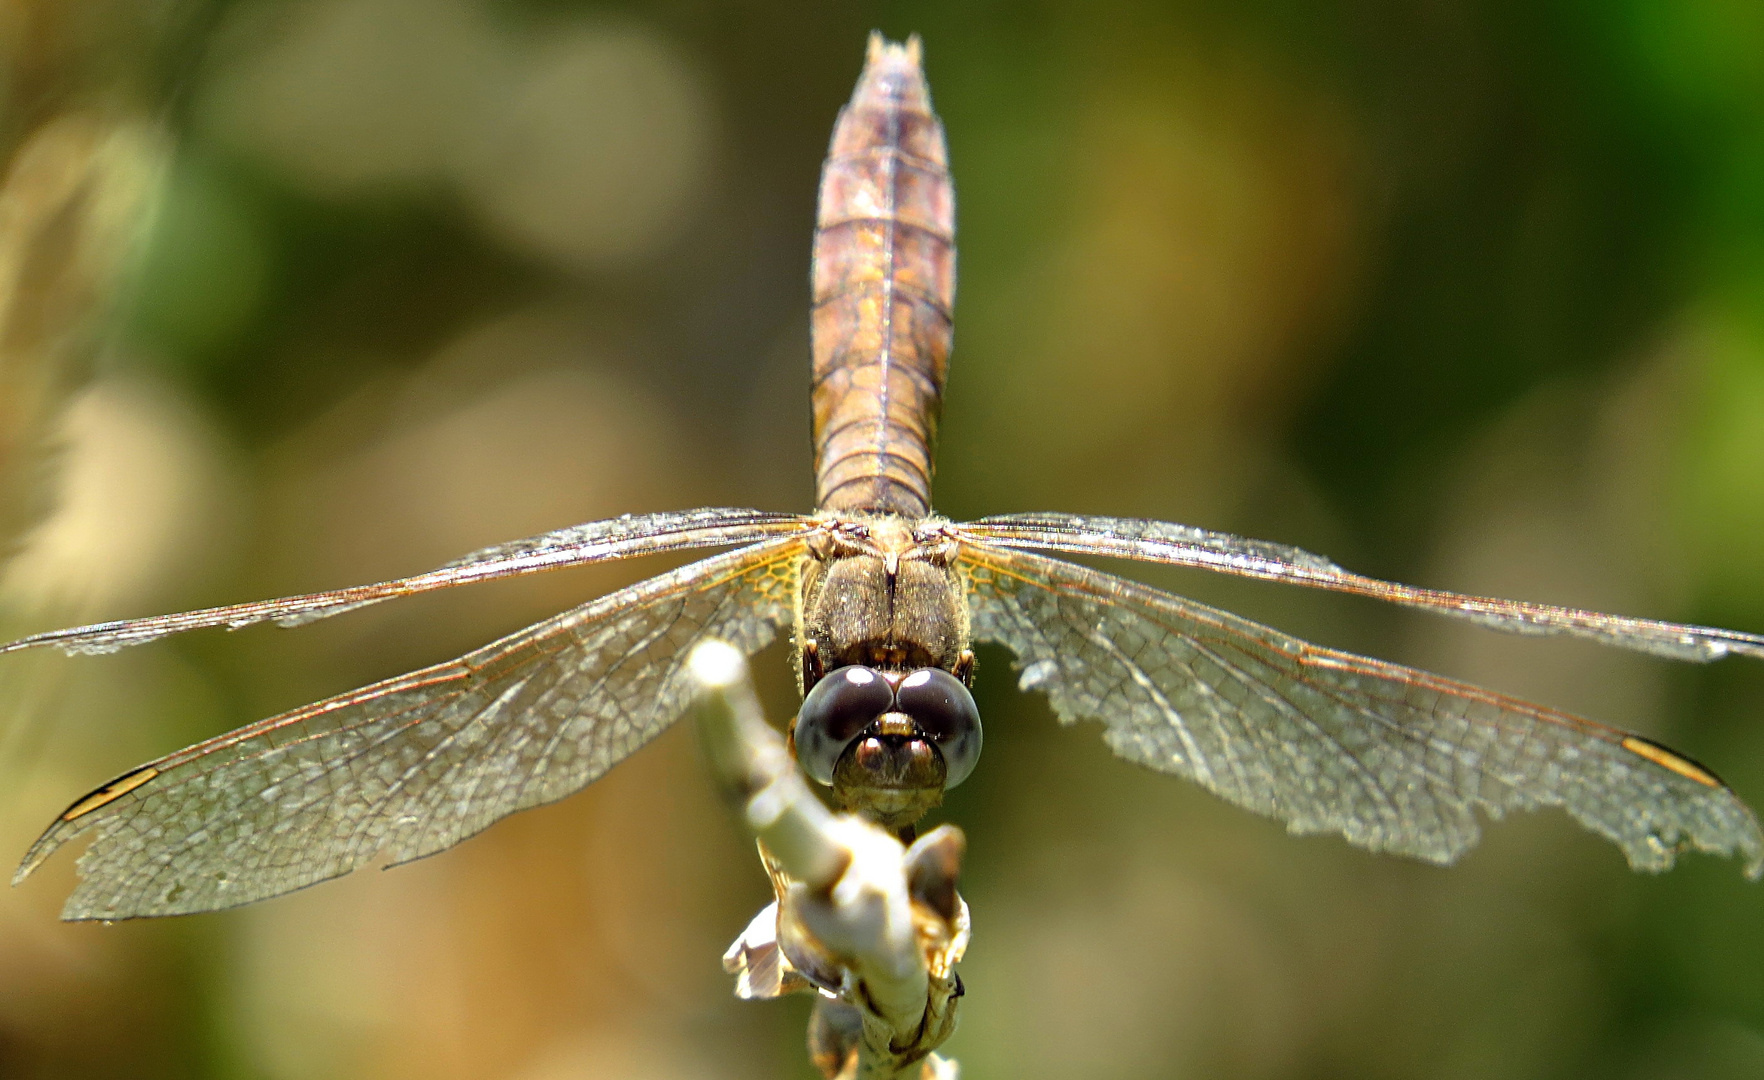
72,205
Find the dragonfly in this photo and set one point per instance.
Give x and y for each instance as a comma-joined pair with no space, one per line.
884,601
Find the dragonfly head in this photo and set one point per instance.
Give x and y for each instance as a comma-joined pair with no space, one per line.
889,743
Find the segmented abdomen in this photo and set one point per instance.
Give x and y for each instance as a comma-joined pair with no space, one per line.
884,287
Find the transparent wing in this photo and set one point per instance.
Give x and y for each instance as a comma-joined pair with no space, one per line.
1185,545
598,541
412,765
1391,758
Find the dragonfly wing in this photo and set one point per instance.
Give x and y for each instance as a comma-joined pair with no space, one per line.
597,541
1185,545
413,765
1392,758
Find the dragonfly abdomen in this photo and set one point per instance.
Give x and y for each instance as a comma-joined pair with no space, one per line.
884,287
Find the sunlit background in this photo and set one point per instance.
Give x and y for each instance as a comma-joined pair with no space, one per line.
296,295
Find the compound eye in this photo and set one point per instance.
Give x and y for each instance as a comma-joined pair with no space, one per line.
845,702
945,712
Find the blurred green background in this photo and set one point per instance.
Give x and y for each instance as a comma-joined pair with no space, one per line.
1466,294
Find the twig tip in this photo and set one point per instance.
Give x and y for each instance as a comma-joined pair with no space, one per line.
717,665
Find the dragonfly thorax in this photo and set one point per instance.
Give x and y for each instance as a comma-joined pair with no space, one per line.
875,595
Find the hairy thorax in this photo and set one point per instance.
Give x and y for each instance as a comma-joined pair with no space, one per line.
882,592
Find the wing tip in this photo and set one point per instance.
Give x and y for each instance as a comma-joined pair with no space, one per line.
39,852
1658,850
1750,846
70,641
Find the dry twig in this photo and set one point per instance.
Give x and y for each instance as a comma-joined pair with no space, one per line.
873,926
